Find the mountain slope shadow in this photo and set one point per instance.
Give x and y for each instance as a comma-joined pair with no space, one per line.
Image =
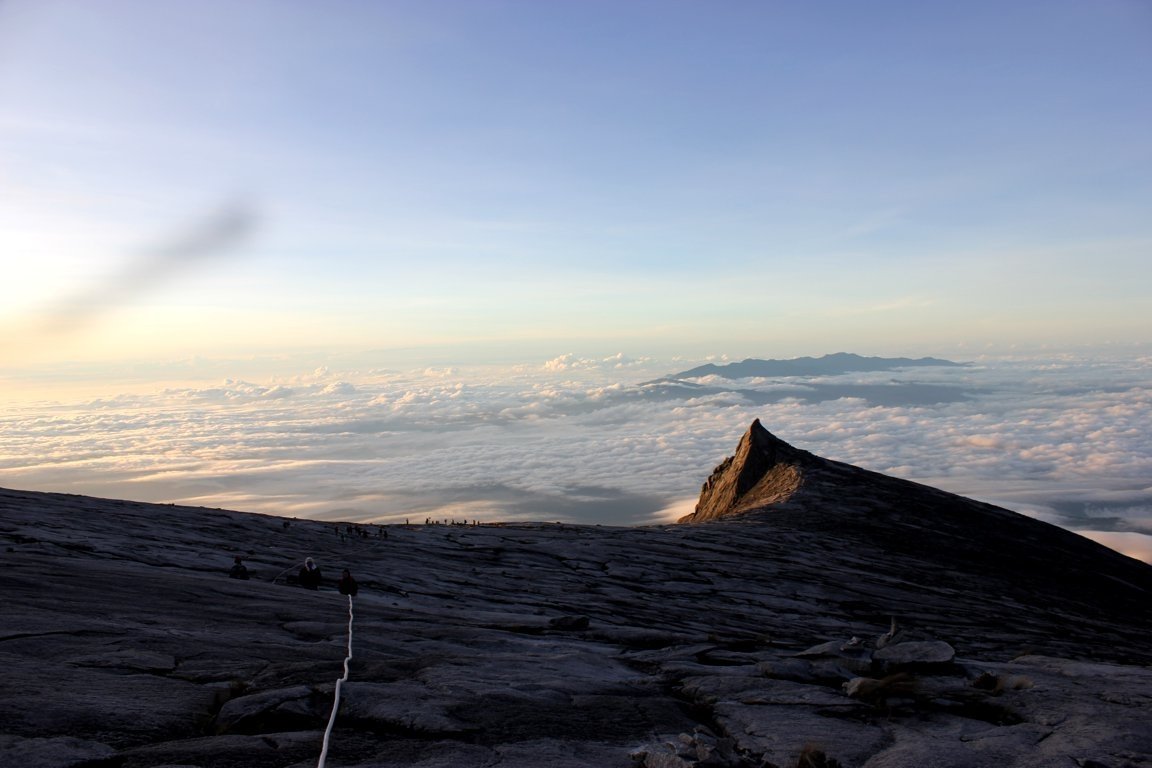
1027,569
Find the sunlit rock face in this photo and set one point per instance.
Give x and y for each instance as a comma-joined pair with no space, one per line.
764,470
818,614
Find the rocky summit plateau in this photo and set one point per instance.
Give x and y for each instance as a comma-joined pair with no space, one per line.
808,613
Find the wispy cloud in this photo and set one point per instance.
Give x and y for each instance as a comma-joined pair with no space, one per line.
214,236
901,304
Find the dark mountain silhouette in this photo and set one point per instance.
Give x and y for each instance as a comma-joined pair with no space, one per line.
828,365
809,612
895,393
771,481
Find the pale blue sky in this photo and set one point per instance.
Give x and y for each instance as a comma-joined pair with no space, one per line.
751,178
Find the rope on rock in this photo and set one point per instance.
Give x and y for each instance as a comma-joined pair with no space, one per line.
278,576
339,683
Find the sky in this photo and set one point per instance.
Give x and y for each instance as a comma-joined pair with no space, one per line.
211,213
487,177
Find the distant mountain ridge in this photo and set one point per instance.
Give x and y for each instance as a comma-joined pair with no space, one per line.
828,365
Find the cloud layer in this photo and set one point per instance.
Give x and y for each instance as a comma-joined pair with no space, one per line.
595,441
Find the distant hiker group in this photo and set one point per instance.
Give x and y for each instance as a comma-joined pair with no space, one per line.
309,576
356,532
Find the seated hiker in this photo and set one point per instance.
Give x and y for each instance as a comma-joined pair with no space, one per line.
309,576
347,585
238,570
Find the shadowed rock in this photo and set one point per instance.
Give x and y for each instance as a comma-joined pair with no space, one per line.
823,613
922,532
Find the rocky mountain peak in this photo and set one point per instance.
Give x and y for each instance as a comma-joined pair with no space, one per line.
764,470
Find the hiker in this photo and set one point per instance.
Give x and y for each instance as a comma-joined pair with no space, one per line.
347,585
310,575
239,570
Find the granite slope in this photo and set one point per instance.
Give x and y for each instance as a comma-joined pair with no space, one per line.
858,624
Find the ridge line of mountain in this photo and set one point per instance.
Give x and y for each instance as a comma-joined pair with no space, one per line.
828,365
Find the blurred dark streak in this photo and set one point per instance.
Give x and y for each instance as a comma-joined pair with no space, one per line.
220,233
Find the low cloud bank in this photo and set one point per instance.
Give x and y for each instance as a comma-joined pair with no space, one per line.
592,441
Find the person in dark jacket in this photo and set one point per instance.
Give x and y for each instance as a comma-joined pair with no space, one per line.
347,585
309,576
238,570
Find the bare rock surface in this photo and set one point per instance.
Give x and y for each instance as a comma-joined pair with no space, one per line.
764,637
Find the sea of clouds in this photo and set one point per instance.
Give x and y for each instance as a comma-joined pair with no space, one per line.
1067,439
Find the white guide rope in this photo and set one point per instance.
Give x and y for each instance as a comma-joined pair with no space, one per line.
339,683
